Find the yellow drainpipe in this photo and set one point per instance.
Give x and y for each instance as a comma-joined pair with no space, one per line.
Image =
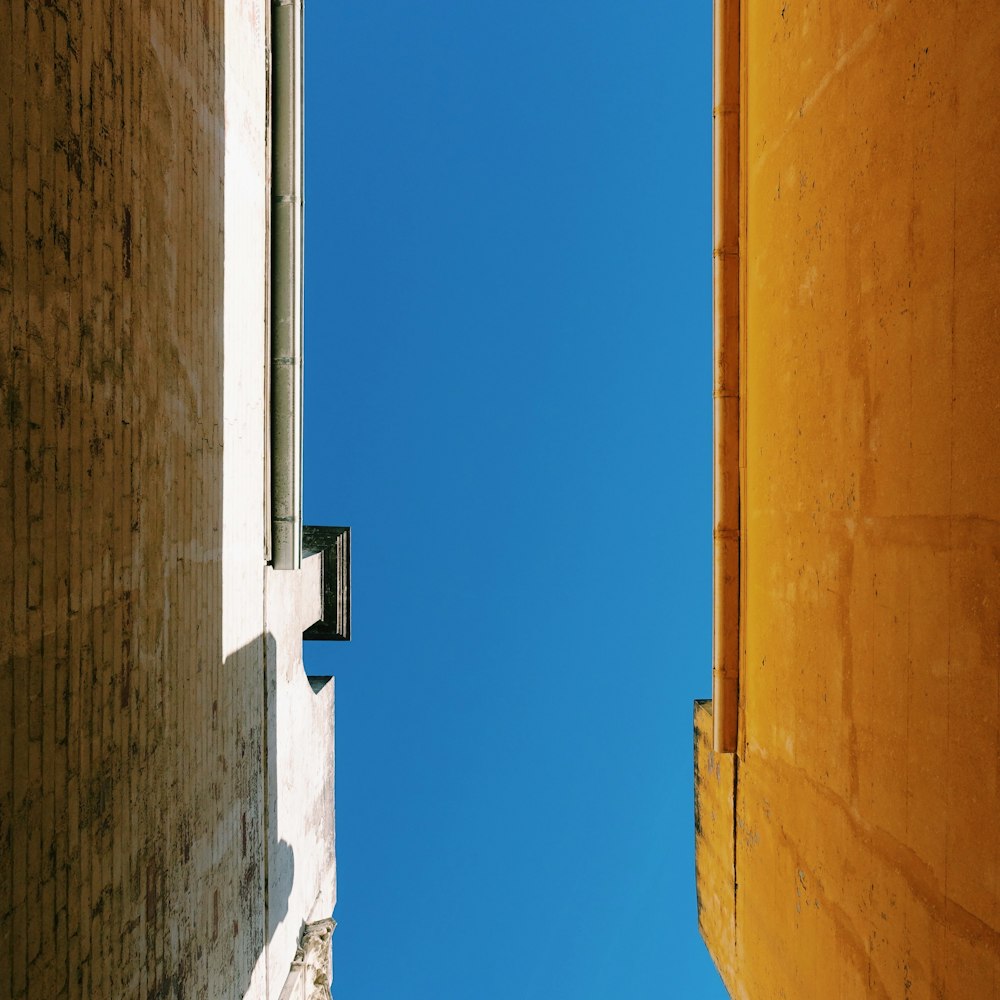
726,389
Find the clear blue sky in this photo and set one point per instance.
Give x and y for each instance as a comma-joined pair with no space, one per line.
508,378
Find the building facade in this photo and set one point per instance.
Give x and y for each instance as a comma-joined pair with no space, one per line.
847,770
166,766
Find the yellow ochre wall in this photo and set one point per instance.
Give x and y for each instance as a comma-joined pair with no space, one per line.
866,860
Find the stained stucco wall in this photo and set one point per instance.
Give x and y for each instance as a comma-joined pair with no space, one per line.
136,823
868,794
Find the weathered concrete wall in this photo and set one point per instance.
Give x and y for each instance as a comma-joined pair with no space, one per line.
868,797
117,750
134,815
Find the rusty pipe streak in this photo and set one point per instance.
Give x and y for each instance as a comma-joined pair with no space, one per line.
726,388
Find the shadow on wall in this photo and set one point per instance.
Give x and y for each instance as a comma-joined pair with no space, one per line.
250,854
279,859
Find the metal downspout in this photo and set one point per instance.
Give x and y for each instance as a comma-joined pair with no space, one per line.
286,285
726,336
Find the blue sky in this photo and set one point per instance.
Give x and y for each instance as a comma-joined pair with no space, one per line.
508,398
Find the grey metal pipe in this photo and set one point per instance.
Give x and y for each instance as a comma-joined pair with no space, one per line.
286,284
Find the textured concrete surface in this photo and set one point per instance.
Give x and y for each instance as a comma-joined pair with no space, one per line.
715,872
134,812
868,795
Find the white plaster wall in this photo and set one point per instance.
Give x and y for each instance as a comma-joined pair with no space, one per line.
295,818
245,303
265,612
302,872
245,326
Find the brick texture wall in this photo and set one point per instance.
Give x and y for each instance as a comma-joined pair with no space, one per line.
131,794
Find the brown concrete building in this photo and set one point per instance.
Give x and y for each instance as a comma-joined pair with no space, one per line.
166,767
847,770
